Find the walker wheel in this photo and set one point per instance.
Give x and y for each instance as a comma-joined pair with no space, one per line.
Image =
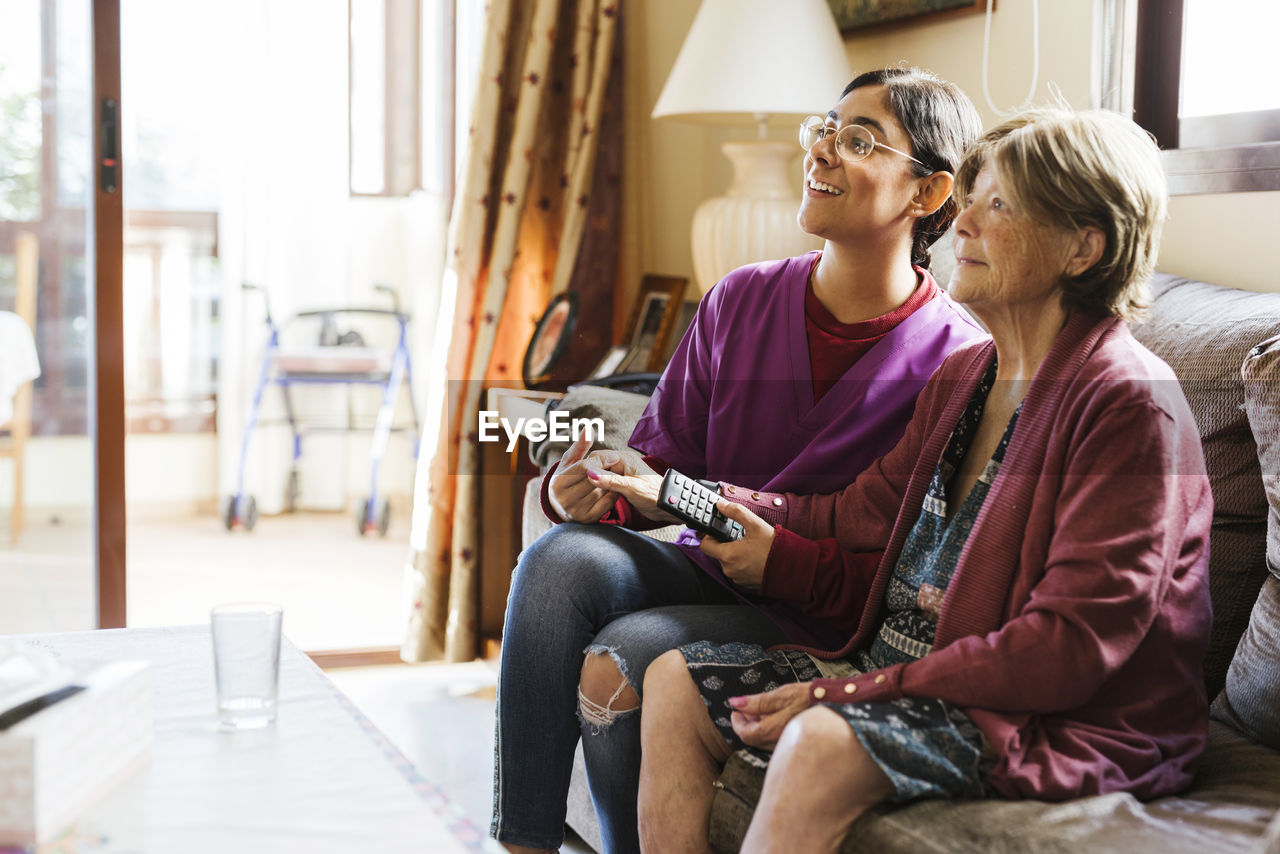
250,513
362,515
384,517
228,512
291,492
381,520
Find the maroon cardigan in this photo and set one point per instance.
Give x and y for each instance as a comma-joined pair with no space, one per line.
1073,629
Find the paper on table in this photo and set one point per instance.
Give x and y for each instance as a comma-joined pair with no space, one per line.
27,672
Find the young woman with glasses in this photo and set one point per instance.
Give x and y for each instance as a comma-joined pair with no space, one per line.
793,376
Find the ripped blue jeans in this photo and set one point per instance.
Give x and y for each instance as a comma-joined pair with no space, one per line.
584,589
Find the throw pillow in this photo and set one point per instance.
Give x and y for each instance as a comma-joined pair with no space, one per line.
1251,699
1261,375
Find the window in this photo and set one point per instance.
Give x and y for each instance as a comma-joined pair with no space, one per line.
20,71
170,221
45,128
1204,85
401,96
171,91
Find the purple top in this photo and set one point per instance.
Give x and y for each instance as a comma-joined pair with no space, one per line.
736,402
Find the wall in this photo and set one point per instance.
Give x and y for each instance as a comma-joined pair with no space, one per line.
1211,237
672,164
1228,238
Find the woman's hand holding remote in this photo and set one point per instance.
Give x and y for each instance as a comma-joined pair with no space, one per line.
742,560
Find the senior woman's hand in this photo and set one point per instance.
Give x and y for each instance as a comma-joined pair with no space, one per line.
759,719
571,492
742,560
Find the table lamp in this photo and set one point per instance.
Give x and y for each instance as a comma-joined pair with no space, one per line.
754,60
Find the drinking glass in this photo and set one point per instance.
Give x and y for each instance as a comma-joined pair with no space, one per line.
246,663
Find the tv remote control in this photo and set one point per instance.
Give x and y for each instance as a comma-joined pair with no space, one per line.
695,505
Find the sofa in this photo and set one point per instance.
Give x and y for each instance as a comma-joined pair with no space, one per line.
1224,345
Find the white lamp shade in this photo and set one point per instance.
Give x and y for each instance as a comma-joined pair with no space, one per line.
744,59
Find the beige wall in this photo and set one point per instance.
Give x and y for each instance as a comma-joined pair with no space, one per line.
673,166
1227,238
953,49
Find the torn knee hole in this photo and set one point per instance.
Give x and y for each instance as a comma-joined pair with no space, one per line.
600,671
598,715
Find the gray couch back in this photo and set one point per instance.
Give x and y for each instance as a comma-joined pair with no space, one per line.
1204,332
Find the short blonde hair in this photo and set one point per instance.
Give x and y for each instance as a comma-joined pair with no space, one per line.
1075,170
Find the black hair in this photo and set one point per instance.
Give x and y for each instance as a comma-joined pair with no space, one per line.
941,123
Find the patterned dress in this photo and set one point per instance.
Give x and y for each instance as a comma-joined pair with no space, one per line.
926,747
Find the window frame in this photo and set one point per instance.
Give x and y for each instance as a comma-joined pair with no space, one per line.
1218,163
405,110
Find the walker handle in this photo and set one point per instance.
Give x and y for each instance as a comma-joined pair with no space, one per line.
266,300
395,297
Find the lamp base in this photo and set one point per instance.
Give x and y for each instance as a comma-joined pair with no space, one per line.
756,219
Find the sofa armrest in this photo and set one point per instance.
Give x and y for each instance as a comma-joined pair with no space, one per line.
617,410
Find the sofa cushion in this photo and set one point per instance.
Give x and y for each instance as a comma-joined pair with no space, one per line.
1228,809
1250,701
1204,332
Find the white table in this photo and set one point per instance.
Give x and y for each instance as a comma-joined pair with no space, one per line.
322,779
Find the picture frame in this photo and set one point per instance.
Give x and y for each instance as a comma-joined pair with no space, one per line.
610,363
653,315
549,339
688,310
862,16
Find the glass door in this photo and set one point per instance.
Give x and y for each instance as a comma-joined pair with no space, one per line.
48,321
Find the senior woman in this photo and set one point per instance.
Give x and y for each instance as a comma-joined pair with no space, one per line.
1035,624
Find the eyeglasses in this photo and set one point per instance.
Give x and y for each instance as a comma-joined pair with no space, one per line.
853,142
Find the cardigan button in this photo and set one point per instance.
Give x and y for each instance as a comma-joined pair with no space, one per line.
777,502
755,496
849,688
729,489
819,692
880,679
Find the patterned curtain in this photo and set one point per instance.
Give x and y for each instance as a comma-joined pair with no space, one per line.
545,106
